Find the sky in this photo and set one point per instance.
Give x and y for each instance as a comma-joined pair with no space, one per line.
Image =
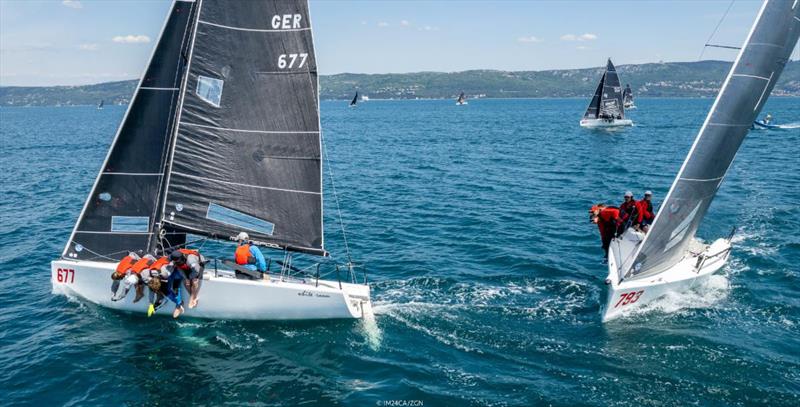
75,42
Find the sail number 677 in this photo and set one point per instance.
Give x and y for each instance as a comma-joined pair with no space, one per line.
289,60
629,298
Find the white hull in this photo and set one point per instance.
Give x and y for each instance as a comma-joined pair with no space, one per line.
461,103
633,294
630,107
223,297
600,123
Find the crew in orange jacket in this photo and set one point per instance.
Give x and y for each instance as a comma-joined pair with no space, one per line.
645,210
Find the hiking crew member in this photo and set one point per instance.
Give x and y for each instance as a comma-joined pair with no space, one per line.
608,221
123,277
645,211
248,255
155,276
187,265
627,210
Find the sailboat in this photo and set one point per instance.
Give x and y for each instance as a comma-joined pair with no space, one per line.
364,98
101,104
222,136
643,268
606,108
627,98
354,101
462,100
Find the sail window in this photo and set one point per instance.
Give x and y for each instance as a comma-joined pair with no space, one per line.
105,196
235,218
130,224
209,89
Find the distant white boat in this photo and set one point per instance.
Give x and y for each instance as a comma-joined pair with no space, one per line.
364,98
606,108
668,259
462,100
260,173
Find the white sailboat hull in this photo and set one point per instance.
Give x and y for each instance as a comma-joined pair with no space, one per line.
461,103
633,294
223,297
600,123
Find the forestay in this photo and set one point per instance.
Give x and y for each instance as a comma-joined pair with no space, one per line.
743,94
246,156
121,212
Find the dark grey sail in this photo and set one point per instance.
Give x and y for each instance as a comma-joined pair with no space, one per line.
743,94
120,213
627,96
101,104
593,111
246,156
611,99
355,100
461,98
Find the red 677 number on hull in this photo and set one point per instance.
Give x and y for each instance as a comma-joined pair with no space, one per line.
66,276
628,298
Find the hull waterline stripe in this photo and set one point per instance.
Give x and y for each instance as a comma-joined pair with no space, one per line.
262,30
245,185
249,131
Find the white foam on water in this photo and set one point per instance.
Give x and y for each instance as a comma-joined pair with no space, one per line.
705,294
370,330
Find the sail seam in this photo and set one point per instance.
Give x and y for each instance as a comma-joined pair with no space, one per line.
702,179
263,30
133,173
730,124
751,76
245,185
154,88
764,91
112,233
251,131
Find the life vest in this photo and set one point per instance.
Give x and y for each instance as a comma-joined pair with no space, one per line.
149,263
187,253
243,255
126,263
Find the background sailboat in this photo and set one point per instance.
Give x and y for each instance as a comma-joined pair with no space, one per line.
222,136
462,100
642,268
354,101
606,108
627,98
101,104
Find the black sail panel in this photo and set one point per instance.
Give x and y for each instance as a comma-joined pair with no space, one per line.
355,100
247,149
739,102
120,213
611,100
593,110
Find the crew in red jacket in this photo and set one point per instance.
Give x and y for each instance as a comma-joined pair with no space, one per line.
645,210
627,210
608,221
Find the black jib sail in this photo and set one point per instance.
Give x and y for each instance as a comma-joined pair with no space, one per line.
593,111
747,87
461,98
246,155
121,212
355,100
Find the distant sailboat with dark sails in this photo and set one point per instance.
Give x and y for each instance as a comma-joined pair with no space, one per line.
606,108
627,98
644,267
222,136
354,101
100,105
462,100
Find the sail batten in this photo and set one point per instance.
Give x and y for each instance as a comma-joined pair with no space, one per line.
247,147
743,94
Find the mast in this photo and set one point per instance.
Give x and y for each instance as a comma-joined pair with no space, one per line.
118,213
246,154
753,75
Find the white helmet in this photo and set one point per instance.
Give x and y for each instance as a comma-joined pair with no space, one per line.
629,194
648,193
242,236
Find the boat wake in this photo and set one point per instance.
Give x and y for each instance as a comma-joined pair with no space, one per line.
705,294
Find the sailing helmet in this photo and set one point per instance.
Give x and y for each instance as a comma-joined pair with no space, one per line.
177,256
628,194
648,193
242,236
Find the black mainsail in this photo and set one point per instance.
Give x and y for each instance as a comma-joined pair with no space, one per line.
461,99
627,96
607,99
121,213
744,92
355,100
246,154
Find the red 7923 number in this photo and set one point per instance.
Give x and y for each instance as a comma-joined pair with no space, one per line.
629,298
65,276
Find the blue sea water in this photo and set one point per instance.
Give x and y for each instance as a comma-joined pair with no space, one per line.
486,274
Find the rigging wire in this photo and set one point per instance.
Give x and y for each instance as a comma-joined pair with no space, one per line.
336,199
708,41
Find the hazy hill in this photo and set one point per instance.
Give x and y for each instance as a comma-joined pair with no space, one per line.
672,79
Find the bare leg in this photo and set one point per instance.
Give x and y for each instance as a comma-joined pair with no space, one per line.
195,284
